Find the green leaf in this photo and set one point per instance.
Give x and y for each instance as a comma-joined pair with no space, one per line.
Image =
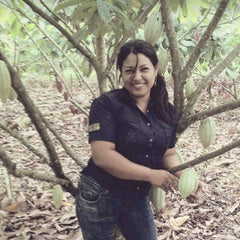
93,22
57,196
4,14
67,4
103,11
15,28
188,43
84,11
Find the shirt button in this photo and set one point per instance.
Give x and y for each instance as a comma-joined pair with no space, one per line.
138,188
146,156
150,139
148,124
147,111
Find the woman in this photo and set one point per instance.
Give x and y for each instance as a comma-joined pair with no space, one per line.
132,135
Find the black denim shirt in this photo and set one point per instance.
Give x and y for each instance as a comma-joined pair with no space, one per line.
141,138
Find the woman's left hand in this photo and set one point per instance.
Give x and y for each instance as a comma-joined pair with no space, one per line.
197,194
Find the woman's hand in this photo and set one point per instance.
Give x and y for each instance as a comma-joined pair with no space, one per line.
162,178
195,196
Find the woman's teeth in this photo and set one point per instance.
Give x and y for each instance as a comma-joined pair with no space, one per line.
138,85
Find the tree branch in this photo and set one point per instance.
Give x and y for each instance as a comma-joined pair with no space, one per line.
17,172
205,82
63,143
202,42
172,38
205,157
83,50
175,55
207,113
56,16
33,113
24,142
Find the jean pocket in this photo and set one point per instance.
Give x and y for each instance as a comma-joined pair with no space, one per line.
90,191
89,195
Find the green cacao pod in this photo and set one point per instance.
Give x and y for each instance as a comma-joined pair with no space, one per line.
5,82
163,58
189,88
153,27
57,196
188,182
179,156
207,132
157,197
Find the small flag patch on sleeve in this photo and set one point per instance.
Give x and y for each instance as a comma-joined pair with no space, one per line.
94,127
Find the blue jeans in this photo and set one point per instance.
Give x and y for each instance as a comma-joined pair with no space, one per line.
99,213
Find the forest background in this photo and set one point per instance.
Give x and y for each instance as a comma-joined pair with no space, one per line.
61,55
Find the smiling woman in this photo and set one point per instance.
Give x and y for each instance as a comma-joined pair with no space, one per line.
139,75
131,146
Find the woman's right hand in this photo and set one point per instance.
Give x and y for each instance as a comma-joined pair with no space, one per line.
162,178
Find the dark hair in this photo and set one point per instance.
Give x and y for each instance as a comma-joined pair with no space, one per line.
163,109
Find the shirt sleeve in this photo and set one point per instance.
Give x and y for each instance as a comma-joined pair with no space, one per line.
102,124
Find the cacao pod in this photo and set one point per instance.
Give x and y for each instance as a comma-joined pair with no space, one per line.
189,88
12,94
65,95
183,4
157,197
196,35
163,60
5,81
57,196
207,132
188,182
179,155
153,27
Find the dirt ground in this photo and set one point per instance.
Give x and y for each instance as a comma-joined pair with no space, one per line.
31,214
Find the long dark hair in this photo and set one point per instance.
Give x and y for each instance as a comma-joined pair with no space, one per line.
164,109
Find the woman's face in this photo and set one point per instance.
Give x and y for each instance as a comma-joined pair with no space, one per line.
140,82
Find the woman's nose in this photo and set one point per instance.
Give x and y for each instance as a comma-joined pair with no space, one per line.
137,75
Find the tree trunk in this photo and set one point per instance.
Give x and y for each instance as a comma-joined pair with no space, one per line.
101,57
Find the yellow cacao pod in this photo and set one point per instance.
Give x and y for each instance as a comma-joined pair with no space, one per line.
207,132
188,182
163,58
153,27
157,197
189,88
5,82
179,156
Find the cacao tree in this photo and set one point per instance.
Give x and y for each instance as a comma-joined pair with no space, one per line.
92,32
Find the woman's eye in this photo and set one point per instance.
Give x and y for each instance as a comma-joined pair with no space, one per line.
129,71
144,69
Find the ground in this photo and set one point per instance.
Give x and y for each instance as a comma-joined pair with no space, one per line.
31,214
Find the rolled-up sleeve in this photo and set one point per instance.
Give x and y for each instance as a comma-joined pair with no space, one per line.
102,124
